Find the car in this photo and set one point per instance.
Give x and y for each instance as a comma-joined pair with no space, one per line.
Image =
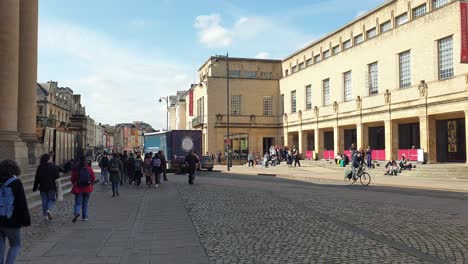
207,163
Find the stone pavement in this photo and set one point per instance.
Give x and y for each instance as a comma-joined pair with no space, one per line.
321,174
141,226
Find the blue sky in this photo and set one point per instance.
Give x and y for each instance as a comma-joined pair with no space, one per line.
122,55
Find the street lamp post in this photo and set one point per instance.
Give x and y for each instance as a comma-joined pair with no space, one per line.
229,154
167,109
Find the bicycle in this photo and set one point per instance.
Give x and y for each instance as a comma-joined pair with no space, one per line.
363,176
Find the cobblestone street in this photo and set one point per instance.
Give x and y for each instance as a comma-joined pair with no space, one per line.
258,219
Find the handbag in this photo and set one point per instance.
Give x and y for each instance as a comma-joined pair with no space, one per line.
59,190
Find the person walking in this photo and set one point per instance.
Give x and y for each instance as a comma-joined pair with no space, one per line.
148,170
82,179
16,214
156,170
45,181
219,157
131,168
116,171
163,164
123,172
369,157
251,159
138,170
191,160
104,165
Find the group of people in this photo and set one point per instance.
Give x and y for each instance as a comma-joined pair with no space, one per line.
342,159
393,168
274,156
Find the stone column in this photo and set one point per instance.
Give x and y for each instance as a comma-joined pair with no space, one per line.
301,142
9,37
427,141
388,139
466,135
359,136
27,78
317,143
336,140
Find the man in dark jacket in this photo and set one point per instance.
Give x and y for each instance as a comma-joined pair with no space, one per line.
163,159
131,168
11,227
46,175
191,161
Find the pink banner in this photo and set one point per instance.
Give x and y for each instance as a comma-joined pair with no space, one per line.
410,154
328,154
348,153
464,32
378,154
309,154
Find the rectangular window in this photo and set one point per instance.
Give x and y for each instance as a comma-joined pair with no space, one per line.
268,105
347,44
405,69
373,77
234,74
445,58
348,92
336,49
358,39
301,66
293,101
386,26
401,19
439,3
235,104
371,33
250,74
326,92
308,97
286,72
309,62
282,105
294,69
266,75
326,54
317,58
419,11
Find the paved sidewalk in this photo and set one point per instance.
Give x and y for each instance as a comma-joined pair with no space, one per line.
141,226
321,174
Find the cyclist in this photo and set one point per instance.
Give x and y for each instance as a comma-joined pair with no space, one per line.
356,163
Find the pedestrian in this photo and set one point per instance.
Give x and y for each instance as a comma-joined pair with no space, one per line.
251,159
369,157
296,157
163,164
104,165
82,179
123,173
131,168
191,161
156,170
289,158
45,181
138,170
16,212
116,171
219,157
148,170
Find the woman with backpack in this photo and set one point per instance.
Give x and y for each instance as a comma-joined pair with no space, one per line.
116,169
148,170
16,213
138,169
46,175
157,170
82,179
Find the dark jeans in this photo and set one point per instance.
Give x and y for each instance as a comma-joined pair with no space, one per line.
297,162
81,203
14,238
48,201
191,176
137,177
164,171
251,163
115,187
131,176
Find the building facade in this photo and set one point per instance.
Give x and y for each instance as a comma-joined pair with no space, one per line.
391,79
254,105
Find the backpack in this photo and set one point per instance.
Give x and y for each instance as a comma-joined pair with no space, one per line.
138,164
157,162
7,199
84,178
104,162
114,166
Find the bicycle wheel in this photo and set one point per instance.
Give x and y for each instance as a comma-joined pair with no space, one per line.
365,179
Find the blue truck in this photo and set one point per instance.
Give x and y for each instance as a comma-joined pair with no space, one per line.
175,144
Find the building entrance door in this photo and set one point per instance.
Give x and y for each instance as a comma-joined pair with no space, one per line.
350,137
451,140
376,138
328,141
408,136
267,143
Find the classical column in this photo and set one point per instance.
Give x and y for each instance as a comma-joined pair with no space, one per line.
359,136
27,78
427,141
390,150
336,140
317,142
9,37
301,142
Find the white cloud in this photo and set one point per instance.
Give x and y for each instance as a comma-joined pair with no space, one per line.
211,33
262,55
118,83
360,13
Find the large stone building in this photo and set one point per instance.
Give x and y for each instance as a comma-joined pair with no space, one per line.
391,79
254,105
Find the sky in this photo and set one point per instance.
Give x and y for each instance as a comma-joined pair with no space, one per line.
123,55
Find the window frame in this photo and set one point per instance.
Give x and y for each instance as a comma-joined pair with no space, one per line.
451,71
436,4
401,69
358,39
293,101
417,11
326,54
308,96
373,31
398,18
250,74
345,46
326,100
268,105
373,87
347,96
236,75
383,26
234,103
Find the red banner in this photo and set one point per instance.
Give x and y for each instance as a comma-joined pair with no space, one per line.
191,103
464,31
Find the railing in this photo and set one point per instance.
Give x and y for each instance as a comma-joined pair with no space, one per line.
197,121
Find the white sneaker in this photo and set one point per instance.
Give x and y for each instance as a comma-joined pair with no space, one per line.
49,215
156,186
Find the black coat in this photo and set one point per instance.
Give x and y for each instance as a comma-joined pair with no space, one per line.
20,215
45,178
